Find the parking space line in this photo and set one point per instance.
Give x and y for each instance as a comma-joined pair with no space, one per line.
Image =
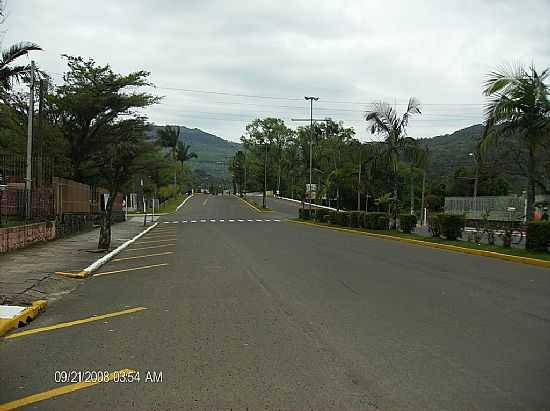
148,248
142,256
66,389
152,242
73,323
130,269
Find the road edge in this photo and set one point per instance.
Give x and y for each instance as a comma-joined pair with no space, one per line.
448,247
250,205
25,317
86,272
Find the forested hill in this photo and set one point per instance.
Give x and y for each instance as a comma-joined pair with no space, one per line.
449,152
213,152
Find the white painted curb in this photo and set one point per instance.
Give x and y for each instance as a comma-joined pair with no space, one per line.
106,258
299,201
183,202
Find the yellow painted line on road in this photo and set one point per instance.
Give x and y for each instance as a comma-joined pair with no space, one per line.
205,201
130,269
152,242
66,389
449,247
142,256
150,247
159,237
76,322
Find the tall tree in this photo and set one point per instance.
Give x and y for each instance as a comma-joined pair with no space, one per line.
169,137
183,152
90,101
519,108
383,120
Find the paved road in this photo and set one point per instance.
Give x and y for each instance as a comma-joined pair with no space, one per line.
275,315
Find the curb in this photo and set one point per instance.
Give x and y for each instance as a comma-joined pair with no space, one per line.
250,205
448,247
106,258
23,318
182,203
300,201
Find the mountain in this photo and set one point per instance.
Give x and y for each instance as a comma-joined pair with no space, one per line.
213,152
451,151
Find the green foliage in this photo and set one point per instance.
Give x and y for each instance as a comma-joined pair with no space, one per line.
321,215
434,202
538,236
304,213
376,221
448,225
407,222
356,219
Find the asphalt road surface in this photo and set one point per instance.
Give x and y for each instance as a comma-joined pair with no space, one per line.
246,310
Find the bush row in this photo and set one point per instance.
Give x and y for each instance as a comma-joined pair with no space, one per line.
538,236
448,225
357,219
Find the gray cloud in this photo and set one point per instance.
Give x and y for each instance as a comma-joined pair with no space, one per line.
342,51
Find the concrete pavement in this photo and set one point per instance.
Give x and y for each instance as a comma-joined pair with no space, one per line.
271,315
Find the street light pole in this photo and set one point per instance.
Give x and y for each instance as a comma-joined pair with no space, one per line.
311,100
28,177
265,174
477,173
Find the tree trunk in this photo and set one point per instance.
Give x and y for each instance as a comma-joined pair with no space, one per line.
106,221
531,184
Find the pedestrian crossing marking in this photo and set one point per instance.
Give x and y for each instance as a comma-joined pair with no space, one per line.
222,220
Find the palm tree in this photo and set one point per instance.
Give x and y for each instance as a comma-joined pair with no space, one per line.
519,108
10,73
183,154
383,119
169,137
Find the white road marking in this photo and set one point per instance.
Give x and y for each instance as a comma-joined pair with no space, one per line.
250,220
267,220
277,220
203,221
193,221
240,221
183,221
231,221
212,221
221,221
259,220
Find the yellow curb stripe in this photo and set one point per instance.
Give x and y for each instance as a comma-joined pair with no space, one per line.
81,274
66,389
150,247
76,322
250,205
130,269
449,247
142,256
28,313
152,242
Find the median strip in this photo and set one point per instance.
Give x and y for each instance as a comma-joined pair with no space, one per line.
66,389
73,323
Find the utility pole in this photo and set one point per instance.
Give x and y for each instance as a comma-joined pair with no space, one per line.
265,174
359,185
28,178
476,178
311,100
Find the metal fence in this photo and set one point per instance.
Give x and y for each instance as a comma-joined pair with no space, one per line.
501,208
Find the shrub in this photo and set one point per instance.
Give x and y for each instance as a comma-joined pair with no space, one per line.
370,221
320,214
434,225
407,222
333,217
383,222
451,225
343,218
356,219
304,213
538,236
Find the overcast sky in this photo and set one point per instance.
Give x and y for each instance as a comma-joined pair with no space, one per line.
348,53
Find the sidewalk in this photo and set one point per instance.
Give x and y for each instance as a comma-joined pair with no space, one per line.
28,274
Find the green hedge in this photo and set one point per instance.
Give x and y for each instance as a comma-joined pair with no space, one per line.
407,222
448,225
304,213
321,215
538,236
376,221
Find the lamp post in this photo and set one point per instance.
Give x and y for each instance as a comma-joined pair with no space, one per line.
311,100
476,178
